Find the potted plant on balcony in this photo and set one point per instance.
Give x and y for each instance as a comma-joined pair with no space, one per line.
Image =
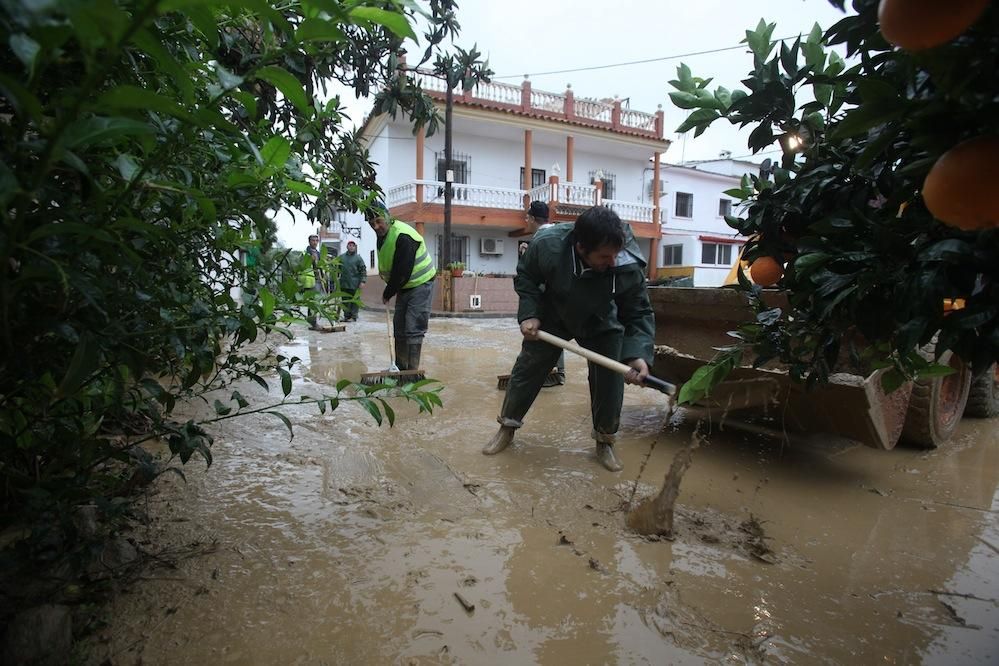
456,268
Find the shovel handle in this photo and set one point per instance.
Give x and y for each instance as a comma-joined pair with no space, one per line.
609,363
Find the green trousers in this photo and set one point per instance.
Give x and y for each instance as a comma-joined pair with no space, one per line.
536,360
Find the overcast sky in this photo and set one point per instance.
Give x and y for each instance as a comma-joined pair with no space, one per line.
534,36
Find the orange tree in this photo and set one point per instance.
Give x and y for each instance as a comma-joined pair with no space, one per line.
844,210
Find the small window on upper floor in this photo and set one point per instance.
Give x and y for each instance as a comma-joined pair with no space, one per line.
716,253
608,182
684,204
672,255
537,178
724,207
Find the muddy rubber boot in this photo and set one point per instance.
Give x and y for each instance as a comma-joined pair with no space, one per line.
500,441
606,457
402,355
415,349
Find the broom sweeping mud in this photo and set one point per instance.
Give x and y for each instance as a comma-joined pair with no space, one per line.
393,373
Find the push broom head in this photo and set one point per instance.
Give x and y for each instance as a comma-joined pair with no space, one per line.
393,376
554,378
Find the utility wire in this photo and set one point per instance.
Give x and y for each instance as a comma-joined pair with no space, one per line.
638,62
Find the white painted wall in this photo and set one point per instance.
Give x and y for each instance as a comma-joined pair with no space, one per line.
707,189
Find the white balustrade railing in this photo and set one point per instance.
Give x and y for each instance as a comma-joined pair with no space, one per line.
577,194
593,110
498,92
638,120
400,194
631,211
506,198
487,197
547,101
540,193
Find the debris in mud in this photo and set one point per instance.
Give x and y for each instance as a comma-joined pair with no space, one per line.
563,540
755,542
958,620
465,603
655,516
470,581
596,566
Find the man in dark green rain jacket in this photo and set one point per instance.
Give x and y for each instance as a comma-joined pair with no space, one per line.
353,273
584,281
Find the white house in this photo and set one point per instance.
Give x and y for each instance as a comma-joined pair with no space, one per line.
513,145
697,242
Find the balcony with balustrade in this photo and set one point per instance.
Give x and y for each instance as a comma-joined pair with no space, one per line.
422,201
565,107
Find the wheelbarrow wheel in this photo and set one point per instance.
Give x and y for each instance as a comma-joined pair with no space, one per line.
983,399
936,405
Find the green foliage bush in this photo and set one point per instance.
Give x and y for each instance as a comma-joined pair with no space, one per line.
145,146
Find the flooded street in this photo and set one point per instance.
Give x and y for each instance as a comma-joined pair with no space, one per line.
354,544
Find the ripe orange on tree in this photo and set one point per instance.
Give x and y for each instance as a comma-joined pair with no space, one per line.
765,271
922,24
960,188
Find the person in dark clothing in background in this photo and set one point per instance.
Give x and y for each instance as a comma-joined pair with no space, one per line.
353,273
405,265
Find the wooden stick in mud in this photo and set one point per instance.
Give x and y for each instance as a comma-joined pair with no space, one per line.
654,516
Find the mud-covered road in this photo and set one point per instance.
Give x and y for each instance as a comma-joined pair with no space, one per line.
351,544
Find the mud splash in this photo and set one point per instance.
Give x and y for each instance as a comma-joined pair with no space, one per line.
353,544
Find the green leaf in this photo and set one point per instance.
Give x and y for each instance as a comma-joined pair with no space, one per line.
85,360
23,101
240,400
289,86
684,100
26,49
132,97
267,302
9,185
299,186
126,166
285,381
153,45
892,379
285,421
863,118
227,79
319,30
699,119
221,409
935,370
394,21
275,152
96,130
371,408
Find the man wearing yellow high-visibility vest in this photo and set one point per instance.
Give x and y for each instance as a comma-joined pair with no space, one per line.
405,265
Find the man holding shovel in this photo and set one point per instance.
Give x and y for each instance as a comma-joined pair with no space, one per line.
584,281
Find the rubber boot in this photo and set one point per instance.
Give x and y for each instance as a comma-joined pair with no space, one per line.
606,457
500,441
402,355
415,349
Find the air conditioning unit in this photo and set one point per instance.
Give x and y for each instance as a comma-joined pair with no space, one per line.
490,246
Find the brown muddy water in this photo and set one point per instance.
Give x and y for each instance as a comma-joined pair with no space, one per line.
354,544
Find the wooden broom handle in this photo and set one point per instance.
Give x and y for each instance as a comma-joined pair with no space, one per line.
388,329
601,360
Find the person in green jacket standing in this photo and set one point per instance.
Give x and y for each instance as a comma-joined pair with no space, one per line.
405,265
584,281
353,273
